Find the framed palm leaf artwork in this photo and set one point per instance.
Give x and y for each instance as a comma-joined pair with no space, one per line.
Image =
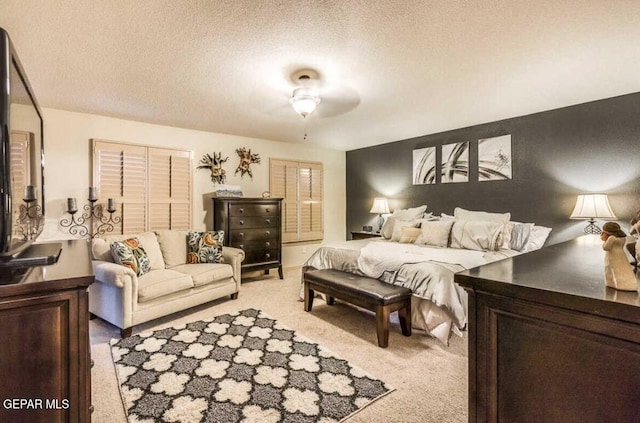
455,162
494,158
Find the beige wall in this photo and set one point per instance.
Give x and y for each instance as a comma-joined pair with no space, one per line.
68,168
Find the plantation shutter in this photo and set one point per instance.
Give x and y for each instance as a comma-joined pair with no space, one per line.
300,186
310,177
19,156
120,172
169,189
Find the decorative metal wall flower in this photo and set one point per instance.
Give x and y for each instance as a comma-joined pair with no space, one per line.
246,159
214,163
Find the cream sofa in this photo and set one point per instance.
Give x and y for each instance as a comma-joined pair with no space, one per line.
125,300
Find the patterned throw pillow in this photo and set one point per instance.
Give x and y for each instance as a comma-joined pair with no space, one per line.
205,247
130,253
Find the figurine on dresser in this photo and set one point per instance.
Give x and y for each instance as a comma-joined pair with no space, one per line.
618,272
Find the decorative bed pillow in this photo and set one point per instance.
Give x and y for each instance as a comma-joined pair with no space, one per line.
537,237
399,226
205,247
409,235
387,227
409,214
444,216
520,235
472,235
462,214
505,234
435,233
130,253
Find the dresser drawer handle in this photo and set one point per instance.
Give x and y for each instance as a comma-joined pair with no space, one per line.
267,255
241,246
241,234
267,210
241,210
268,221
267,232
242,222
267,244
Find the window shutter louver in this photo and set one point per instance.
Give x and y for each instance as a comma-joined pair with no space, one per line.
19,155
300,186
152,186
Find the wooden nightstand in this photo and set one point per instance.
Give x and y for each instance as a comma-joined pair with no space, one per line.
364,235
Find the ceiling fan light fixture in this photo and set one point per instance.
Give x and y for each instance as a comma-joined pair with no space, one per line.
304,102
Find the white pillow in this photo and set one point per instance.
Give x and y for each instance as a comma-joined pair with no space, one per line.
409,235
429,217
520,235
435,233
399,226
476,235
444,216
462,214
538,236
409,214
387,227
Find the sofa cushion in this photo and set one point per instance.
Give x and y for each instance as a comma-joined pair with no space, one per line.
205,247
100,247
205,273
162,282
173,245
130,253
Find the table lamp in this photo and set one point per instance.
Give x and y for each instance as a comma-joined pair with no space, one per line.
380,206
591,207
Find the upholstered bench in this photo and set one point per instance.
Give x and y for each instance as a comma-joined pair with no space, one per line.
368,293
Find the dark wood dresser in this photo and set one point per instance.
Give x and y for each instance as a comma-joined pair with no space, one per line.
45,353
548,342
253,225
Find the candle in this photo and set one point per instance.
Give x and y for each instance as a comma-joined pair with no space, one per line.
71,205
29,193
92,194
111,205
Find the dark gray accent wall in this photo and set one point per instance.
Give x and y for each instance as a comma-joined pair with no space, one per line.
558,154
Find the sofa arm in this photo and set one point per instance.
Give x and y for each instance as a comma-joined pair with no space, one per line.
113,274
234,257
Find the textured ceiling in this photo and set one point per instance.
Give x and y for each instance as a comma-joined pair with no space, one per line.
389,70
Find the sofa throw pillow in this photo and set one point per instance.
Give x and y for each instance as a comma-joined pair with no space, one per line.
130,253
205,247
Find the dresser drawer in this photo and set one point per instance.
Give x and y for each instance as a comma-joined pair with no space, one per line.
255,245
253,210
261,256
258,234
253,222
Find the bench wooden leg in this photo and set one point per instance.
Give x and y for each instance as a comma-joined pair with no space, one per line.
234,296
405,318
330,300
308,297
125,333
382,325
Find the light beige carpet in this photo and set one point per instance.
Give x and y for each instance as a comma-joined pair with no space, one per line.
430,379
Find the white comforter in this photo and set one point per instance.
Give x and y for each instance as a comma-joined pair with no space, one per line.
427,271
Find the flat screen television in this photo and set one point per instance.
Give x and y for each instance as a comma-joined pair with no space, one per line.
22,192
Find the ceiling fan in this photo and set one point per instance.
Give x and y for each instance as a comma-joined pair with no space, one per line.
308,93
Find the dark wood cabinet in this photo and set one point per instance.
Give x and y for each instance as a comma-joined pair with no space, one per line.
44,326
548,342
253,225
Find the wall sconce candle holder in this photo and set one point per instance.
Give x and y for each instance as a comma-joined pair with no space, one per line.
93,221
30,217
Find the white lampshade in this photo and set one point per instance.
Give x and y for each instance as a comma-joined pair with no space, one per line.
304,102
593,206
380,205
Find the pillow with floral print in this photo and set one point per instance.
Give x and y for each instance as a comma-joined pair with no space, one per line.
205,247
130,253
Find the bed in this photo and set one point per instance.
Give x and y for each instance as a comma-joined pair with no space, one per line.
423,253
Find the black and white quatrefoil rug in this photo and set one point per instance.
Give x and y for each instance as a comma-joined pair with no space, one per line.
241,367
